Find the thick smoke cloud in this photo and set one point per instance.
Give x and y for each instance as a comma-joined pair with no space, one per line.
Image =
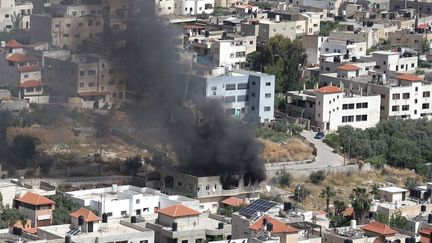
204,140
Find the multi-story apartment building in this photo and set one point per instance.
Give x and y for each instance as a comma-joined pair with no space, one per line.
405,95
233,51
245,95
23,71
410,39
312,18
184,7
126,200
96,80
288,29
17,12
36,207
330,107
423,8
390,62
315,46
66,31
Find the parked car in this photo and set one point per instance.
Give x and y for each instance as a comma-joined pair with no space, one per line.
319,135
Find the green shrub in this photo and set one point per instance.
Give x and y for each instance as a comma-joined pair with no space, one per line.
317,177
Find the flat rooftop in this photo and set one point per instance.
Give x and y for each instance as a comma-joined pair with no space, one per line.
393,189
113,228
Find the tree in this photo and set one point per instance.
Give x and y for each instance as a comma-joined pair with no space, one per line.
361,202
374,190
425,46
16,20
377,162
327,193
327,27
24,148
9,216
317,177
301,193
284,59
339,206
284,179
381,217
398,221
411,183
133,164
64,206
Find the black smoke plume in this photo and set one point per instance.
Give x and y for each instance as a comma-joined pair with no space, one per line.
204,139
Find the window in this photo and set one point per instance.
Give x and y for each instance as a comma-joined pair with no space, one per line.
230,99
81,85
243,86
90,23
426,94
213,88
267,108
267,84
268,95
416,89
112,82
137,201
405,96
351,106
91,72
208,187
143,241
347,119
396,96
405,107
242,98
82,73
68,25
412,65
120,95
425,106
80,24
230,87
358,105
345,107
364,105
91,84
395,108
415,101
77,35
364,117
253,108
25,75
358,118
123,212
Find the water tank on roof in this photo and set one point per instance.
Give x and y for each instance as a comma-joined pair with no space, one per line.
423,208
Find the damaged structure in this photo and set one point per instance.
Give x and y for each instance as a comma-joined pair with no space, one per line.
209,190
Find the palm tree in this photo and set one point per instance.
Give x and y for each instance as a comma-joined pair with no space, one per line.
374,190
16,20
339,206
327,193
360,202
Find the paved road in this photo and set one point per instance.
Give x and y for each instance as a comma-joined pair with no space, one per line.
325,155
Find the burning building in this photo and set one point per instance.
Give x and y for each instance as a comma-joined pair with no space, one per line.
209,190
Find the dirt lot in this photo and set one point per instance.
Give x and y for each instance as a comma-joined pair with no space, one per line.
343,183
292,150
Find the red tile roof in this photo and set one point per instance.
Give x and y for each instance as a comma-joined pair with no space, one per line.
379,228
348,67
18,57
178,210
278,226
233,201
31,84
425,235
14,44
409,77
88,215
34,199
329,90
94,93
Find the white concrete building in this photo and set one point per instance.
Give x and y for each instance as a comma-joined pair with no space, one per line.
184,7
122,201
405,96
330,107
94,230
391,62
10,190
348,48
233,51
15,11
246,95
288,29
